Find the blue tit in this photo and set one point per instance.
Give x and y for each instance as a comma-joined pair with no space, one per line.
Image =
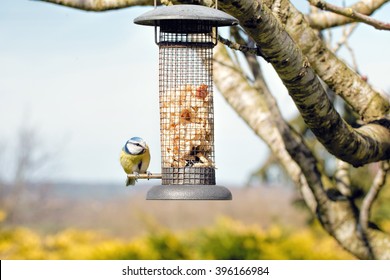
135,158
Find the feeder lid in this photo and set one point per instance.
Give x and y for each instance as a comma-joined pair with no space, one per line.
186,12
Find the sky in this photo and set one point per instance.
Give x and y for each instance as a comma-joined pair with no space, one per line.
86,82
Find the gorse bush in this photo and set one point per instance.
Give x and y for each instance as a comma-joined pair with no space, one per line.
230,239
226,239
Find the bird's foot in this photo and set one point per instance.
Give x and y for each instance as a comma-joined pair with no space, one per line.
136,174
149,174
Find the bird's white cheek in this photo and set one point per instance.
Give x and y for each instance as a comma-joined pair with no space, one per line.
135,150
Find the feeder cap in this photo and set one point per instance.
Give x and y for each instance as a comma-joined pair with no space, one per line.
185,12
189,192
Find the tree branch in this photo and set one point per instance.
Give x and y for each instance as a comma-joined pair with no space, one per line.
369,199
350,13
346,35
100,5
343,181
367,144
368,103
237,47
328,19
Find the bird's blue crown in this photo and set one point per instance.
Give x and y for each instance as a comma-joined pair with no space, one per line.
136,139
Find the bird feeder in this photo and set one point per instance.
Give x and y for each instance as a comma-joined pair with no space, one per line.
186,36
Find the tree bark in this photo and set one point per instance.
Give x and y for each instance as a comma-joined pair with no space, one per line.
368,103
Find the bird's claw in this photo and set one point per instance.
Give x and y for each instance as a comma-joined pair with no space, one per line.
149,174
136,174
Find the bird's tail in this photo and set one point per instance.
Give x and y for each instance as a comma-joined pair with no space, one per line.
130,182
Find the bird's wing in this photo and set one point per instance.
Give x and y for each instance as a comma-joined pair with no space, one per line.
145,162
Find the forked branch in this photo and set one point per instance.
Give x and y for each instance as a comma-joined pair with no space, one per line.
369,143
350,13
330,19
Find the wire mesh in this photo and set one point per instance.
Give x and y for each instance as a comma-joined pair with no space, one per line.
186,104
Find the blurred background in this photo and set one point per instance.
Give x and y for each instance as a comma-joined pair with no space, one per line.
74,86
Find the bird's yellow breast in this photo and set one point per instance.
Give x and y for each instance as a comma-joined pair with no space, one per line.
130,163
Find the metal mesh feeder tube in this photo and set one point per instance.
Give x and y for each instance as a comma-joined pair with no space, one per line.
186,36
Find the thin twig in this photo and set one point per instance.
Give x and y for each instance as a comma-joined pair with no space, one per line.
346,35
353,57
237,47
329,38
251,59
235,57
345,43
369,199
350,13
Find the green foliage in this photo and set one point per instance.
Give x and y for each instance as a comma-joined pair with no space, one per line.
227,239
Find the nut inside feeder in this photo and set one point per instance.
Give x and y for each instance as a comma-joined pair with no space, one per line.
186,36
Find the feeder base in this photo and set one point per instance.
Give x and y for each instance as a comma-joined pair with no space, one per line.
188,192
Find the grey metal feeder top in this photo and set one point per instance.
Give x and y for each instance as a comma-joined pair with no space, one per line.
186,12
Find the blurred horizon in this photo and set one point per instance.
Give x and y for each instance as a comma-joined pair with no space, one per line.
53,207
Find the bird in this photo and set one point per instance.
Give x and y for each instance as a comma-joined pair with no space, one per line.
135,158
